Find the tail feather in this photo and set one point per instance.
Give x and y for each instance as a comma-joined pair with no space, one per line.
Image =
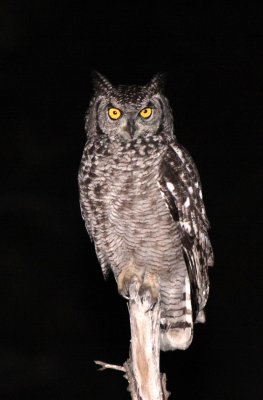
177,324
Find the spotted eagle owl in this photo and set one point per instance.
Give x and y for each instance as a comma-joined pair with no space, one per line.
141,200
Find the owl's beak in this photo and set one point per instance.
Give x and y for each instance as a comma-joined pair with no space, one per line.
129,129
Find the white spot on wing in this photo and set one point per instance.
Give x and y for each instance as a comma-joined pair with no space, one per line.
170,186
187,202
186,226
190,189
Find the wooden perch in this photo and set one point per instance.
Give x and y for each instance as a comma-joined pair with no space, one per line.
142,367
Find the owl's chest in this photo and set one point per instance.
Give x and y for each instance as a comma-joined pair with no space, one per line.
125,185
133,179
133,196
127,201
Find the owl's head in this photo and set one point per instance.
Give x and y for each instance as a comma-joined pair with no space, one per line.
125,113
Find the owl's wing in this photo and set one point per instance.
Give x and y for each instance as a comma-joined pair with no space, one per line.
85,206
91,185
181,188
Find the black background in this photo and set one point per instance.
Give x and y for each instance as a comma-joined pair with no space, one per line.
57,313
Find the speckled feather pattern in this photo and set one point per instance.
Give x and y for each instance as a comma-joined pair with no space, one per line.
141,200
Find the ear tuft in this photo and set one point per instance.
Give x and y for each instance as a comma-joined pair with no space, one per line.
101,85
157,83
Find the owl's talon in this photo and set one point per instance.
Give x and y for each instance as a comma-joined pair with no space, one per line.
151,284
126,278
152,307
147,286
150,290
150,294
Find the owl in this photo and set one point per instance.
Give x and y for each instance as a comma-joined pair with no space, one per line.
141,200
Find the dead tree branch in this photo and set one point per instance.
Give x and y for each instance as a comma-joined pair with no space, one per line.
142,367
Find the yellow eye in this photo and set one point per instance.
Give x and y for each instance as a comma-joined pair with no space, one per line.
114,113
146,112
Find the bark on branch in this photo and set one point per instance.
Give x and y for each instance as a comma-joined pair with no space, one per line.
142,368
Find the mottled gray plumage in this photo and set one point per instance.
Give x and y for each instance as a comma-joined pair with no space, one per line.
141,200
